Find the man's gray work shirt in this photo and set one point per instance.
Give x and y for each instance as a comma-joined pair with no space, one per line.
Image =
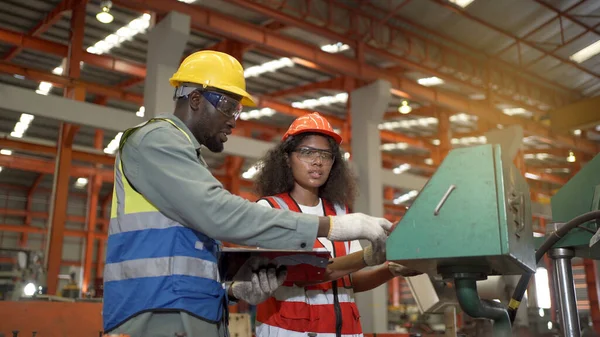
167,169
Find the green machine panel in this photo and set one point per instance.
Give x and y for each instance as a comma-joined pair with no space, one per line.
581,194
475,211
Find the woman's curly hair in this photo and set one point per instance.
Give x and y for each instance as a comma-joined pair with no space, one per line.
275,174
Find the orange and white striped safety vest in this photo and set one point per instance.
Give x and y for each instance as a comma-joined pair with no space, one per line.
323,310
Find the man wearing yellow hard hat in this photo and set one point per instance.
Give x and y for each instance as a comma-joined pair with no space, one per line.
161,276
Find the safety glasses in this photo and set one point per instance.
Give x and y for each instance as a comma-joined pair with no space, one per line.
229,107
310,155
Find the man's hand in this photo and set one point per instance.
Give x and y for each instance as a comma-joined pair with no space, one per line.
264,280
374,254
358,226
400,270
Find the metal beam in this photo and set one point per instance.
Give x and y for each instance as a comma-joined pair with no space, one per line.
27,101
580,115
48,21
229,27
58,49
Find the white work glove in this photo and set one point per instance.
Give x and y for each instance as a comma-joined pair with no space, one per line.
400,270
357,226
264,281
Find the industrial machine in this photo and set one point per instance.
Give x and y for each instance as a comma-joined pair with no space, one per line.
473,220
26,276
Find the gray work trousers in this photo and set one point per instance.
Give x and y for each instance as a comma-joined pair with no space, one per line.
171,324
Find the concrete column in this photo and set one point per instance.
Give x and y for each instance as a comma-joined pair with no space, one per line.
510,140
166,44
367,106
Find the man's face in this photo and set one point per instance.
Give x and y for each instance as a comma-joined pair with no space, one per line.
209,125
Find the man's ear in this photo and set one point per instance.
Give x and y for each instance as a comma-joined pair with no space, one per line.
195,100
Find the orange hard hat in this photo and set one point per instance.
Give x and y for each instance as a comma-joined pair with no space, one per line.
312,122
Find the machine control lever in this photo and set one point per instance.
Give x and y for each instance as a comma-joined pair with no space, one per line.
436,212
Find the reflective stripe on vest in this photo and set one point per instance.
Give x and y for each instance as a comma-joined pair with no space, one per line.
153,262
295,311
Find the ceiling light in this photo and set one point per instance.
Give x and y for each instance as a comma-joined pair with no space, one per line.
461,3
586,53
429,161
406,197
141,112
430,81
404,108
324,100
81,182
257,113
477,97
114,144
571,158
577,132
0,168
104,16
532,176
514,111
5,152
267,66
335,47
401,169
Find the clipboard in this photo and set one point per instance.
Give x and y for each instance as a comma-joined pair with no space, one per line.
301,265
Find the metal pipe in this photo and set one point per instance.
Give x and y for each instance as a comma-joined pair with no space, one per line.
472,305
566,291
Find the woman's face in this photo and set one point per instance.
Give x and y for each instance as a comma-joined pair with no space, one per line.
311,161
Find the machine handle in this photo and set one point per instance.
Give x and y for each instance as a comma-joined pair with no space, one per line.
436,212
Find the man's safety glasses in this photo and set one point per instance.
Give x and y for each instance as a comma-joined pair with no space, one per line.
229,107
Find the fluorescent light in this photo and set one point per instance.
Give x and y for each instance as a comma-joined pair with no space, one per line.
268,67
335,47
577,132
401,169
114,144
5,152
586,53
477,97
134,27
408,123
187,1
57,71
406,197
429,161
514,111
257,113
430,81
394,146
0,168
346,155
542,288
324,100
141,112
461,3
249,174
532,176
571,158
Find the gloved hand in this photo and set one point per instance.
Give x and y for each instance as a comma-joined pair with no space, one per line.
400,270
374,254
356,226
264,281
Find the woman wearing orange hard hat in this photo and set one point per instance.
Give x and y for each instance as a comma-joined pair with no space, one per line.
307,173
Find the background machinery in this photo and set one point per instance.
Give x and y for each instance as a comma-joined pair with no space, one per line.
473,220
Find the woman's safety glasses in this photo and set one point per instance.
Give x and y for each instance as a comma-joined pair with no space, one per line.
310,155
228,106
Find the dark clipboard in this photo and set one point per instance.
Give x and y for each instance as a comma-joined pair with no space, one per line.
301,265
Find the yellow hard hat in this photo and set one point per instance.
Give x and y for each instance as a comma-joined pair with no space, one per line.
213,69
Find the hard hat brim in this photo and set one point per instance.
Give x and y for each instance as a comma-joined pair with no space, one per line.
247,99
337,138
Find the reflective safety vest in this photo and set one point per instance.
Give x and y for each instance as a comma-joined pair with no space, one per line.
154,263
327,309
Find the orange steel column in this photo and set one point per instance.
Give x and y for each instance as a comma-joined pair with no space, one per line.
93,194
28,217
445,136
102,240
58,212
